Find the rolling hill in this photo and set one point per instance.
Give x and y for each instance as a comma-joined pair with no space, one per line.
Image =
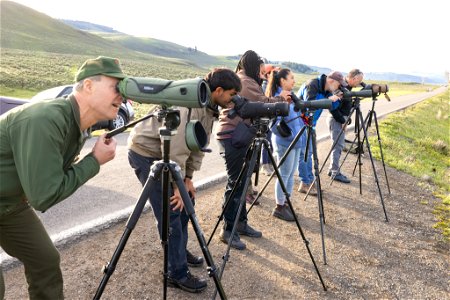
26,29
25,33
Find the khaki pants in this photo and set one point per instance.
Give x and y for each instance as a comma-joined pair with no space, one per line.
23,236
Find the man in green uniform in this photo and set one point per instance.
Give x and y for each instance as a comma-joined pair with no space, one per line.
40,143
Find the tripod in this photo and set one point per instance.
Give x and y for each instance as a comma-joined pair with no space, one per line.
372,115
311,139
244,178
163,168
364,124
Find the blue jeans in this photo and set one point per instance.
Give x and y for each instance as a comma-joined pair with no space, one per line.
287,171
178,233
234,160
305,168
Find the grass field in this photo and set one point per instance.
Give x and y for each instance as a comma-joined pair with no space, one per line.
417,141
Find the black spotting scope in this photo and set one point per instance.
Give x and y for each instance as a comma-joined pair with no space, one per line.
312,104
370,90
247,109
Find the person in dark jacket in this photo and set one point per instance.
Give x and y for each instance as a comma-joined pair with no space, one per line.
249,70
322,87
39,167
338,120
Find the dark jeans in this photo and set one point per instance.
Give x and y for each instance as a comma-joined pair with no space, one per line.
178,233
234,160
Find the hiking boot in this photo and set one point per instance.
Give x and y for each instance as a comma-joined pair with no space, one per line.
189,283
341,178
283,213
236,242
303,188
245,229
193,261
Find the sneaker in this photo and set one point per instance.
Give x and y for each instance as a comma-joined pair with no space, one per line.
193,261
189,283
283,213
267,169
303,188
341,178
236,242
245,229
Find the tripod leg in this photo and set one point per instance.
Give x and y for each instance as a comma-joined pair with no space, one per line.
319,194
359,125
212,270
283,158
287,196
374,171
247,169
381,149
165,226
228,200
131,223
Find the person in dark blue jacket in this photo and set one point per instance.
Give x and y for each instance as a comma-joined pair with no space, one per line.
322,87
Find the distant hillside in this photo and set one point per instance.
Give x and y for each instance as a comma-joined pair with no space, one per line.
167,49
23,28
26,29
403,78
86,26
389,76
153,46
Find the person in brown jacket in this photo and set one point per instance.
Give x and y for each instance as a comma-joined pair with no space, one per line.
145,146
250,70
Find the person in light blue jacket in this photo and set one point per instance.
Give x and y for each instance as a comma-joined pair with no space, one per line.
283,80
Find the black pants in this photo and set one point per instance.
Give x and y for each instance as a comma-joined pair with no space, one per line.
234,160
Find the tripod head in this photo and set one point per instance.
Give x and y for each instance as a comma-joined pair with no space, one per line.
171,119
262,125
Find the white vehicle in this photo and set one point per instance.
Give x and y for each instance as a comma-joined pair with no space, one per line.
125,115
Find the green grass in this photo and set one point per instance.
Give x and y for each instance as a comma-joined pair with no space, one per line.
417,141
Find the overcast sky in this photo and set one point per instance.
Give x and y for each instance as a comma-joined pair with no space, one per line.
376,36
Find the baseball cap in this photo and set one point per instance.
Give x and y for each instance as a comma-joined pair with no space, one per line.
101,65
338,77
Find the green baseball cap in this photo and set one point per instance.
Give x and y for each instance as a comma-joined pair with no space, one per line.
102,65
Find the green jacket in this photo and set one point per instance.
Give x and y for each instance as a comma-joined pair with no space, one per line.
39,144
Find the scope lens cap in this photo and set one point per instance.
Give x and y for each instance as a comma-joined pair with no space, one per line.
196,137
283,129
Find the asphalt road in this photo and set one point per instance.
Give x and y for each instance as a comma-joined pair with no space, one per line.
111,195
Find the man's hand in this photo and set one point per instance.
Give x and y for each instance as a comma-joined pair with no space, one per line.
176,200
190,187
334,98
104,149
